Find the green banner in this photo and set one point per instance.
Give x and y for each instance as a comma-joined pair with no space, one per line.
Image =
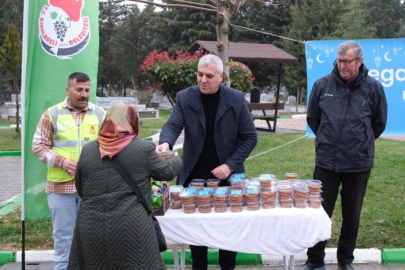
62,39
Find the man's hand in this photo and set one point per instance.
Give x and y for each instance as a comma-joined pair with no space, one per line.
69,166
222,172
163,147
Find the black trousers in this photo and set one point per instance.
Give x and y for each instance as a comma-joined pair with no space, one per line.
227,259
353,190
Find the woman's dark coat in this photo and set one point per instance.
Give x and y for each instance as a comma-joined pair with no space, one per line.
113,229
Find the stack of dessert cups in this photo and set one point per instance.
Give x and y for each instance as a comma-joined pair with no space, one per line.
315,190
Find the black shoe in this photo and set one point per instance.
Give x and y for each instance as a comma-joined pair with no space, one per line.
345,266
313,266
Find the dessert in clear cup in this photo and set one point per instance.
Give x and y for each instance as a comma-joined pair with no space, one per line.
221,196
226,188
220,207
252,194
189,208
291,176
284,192
204,197
266,180
299,183
212,183
265,183
237,183
300,203
166,154
238,175
253,206
253,182
211,191
187,197
269,204
236,196
314,201
301,192
175,192
286,203
284,183
197,183
268,194
314,186
268,175
236,206
193,189
175,204
204,208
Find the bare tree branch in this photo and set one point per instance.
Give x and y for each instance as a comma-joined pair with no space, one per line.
174,5
194,3
268,4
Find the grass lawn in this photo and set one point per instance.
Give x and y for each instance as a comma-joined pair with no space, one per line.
382,220
9,141
5,122
382,223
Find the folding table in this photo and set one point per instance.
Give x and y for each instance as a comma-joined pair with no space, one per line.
277,231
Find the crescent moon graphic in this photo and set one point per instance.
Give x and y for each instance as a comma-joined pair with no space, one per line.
386,57
317,59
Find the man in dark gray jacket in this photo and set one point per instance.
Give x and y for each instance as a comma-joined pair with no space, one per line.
347,111
219,136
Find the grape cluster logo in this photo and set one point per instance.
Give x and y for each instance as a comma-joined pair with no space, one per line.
63,32
92,130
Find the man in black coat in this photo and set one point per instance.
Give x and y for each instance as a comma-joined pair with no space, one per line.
347,111
219,136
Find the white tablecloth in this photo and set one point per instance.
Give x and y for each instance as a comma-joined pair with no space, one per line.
278,231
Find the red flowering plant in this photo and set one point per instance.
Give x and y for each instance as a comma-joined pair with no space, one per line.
241,76
172,74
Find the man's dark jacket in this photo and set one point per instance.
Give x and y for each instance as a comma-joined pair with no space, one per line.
346,120
234,132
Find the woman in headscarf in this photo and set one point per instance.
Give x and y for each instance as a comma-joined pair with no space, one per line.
113,229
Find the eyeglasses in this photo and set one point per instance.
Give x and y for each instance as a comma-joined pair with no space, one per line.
346,62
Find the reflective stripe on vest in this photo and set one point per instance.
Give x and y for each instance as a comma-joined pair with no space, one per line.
67,141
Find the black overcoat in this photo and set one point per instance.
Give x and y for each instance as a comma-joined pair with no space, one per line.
113,229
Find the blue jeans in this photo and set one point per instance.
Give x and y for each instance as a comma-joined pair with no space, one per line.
64,208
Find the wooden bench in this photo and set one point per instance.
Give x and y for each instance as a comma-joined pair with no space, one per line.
263,107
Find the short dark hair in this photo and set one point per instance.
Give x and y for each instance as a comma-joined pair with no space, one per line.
78,77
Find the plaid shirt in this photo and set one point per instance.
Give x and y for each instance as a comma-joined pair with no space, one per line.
42,148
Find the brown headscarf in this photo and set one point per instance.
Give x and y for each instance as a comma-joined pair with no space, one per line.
120,127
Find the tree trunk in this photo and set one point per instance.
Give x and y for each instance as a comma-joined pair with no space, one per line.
133,82
170,100
109,88
222,38
17,113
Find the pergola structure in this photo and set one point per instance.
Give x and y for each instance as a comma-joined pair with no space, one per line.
252,52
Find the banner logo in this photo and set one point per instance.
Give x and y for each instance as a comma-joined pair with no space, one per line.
63,32
92,131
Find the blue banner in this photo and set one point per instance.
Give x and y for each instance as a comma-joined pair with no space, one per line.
385,59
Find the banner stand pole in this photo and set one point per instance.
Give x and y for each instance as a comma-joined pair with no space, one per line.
23,127
23,244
